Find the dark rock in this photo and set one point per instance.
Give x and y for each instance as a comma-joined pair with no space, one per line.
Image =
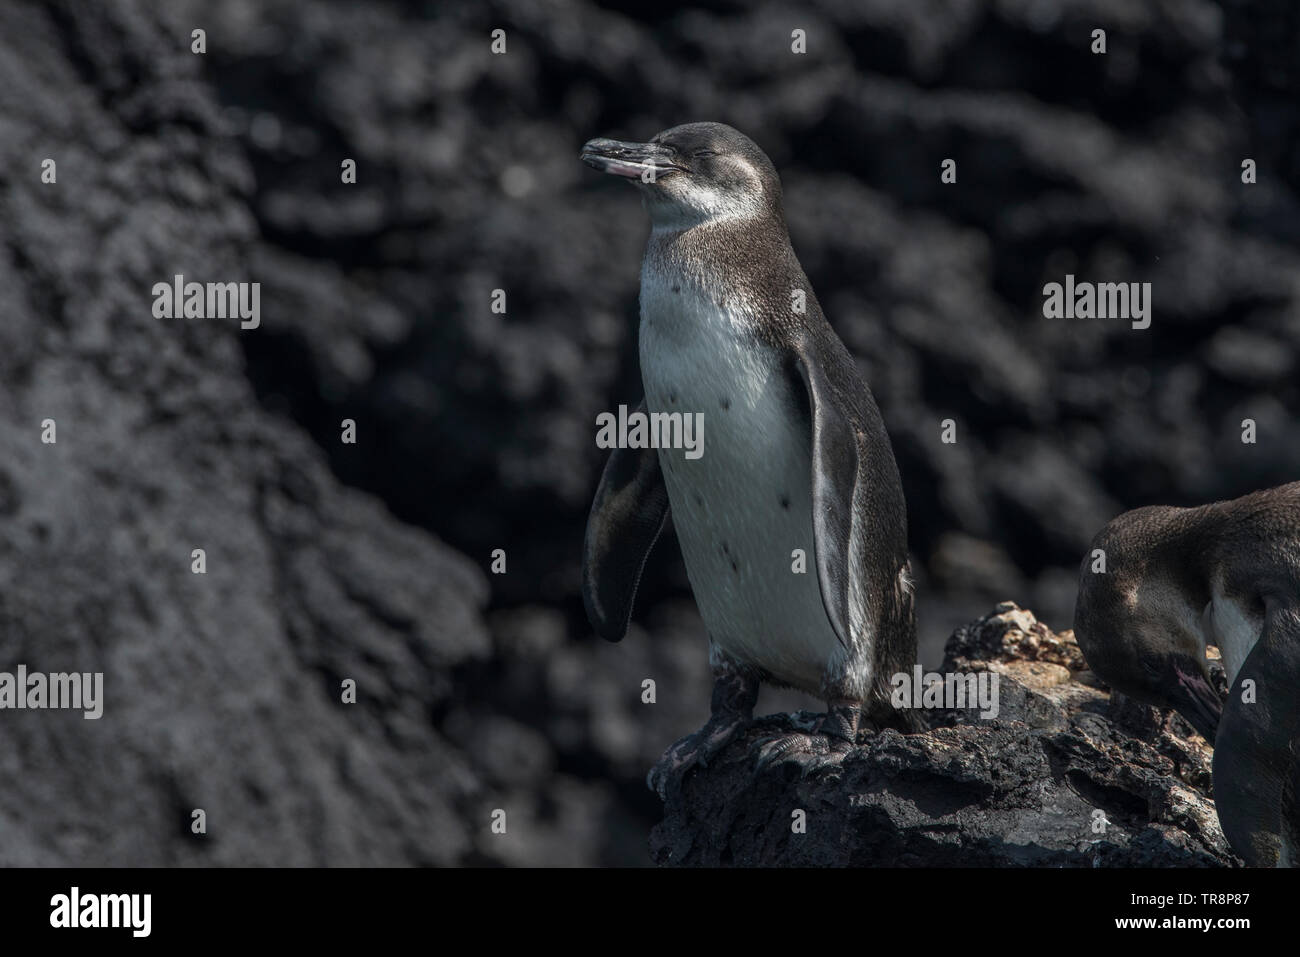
1053,781
222,691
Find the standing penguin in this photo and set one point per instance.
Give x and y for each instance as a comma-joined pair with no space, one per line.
797,460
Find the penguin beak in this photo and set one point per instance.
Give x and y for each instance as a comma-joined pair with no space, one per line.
630,160
1196,699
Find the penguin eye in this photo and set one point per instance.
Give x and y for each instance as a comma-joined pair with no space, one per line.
700,154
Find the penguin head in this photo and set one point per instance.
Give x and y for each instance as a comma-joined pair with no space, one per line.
694,174
1139,631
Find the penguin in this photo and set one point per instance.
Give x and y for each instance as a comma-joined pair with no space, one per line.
1224,574
797,461
1257,752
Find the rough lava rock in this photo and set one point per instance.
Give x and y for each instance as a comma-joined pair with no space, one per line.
221,691
1064,776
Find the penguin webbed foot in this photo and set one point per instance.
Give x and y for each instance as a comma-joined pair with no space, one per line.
835,737
811,752
697,748
735,691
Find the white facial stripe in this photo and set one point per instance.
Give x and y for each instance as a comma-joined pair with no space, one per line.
1235,630
691,200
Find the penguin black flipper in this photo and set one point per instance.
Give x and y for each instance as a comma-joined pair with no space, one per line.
627,516
1253,758
837,403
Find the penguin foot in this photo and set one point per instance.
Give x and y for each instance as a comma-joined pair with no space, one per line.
735,689
811,752
698,748
835,736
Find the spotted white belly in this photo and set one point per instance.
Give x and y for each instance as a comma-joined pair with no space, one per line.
743,507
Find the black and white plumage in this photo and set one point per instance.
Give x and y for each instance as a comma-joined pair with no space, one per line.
1225,574
1257,752
795,456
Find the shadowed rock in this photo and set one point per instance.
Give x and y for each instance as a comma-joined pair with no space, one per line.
1055,780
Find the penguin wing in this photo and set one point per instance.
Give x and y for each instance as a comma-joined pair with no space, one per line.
1252,752
627,517
838,453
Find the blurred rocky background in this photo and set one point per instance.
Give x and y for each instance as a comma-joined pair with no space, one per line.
326,561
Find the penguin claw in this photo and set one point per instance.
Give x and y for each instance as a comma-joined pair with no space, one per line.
811,752
698,748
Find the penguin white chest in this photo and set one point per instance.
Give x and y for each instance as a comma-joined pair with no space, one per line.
743,509
1232,628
